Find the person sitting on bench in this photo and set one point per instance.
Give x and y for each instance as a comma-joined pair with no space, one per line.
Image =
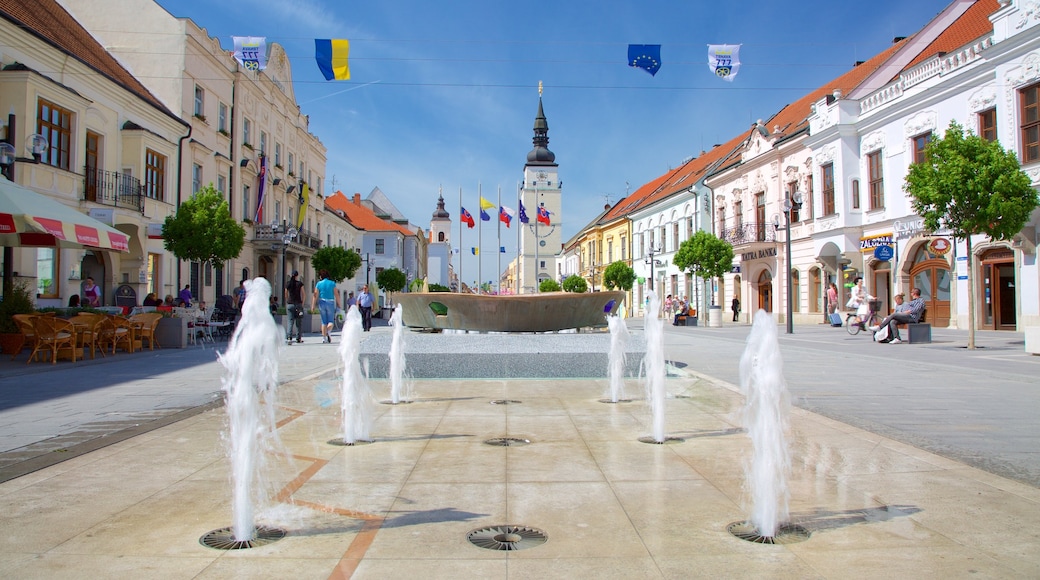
905,313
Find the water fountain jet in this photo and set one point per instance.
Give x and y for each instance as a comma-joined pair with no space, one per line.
356,400
616,358
249,383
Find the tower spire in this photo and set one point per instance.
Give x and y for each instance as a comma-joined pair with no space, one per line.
541,155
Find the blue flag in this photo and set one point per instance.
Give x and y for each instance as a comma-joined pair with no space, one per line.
645,56
523,214
484,216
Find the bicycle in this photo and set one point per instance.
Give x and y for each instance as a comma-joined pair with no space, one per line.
854,323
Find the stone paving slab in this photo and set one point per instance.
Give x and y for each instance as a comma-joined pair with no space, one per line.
610,505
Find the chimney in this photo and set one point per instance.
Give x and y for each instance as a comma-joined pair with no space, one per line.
357,199
858,62
898,39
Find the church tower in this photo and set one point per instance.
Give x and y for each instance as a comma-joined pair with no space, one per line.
542,238
439,247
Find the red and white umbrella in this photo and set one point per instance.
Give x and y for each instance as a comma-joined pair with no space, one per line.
30,219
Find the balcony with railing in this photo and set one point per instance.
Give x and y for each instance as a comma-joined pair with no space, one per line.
305,238
750,233
111,188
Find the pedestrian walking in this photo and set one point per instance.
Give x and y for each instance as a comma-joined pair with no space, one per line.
91,295
326,301
832,298
294,304
185,295
736,308
364,302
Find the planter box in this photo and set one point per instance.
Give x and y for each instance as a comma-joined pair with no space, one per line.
312,323
172,333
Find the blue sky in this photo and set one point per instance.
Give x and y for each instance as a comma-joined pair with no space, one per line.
444,94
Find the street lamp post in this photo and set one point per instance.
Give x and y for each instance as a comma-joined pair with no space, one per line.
791,203
652,262
288,235
36,144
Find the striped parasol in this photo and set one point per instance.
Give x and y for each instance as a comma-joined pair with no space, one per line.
30,219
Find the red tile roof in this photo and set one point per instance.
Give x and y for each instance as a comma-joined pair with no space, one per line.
47,20
971,26
360,216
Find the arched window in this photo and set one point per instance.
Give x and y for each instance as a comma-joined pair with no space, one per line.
815,291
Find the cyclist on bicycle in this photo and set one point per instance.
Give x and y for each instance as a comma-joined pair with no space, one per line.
860,301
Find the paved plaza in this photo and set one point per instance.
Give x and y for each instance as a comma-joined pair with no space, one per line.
907,460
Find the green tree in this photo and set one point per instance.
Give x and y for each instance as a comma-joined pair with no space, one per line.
340,263
970,186
391,280
619,275
575,283
203,230
705,256
549,285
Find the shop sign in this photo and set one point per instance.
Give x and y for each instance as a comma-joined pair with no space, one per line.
908,228
758,255
155,231
868,244
940,246
884,253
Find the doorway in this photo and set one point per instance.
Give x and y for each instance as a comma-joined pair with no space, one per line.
931,273
998,296
765,291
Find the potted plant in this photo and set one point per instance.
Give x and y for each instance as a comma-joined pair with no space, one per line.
17,301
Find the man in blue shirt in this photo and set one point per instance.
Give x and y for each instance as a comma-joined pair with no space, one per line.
364,302
905,314
326,301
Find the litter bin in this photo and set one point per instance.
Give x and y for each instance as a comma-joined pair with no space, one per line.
691,321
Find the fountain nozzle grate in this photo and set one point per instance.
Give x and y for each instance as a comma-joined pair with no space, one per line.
224,538
785,533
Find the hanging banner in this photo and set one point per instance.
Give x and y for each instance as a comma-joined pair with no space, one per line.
724,60
251,52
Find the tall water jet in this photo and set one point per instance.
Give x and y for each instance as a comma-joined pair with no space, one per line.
653,365
766,410
356,401
250,381
397,360
616,357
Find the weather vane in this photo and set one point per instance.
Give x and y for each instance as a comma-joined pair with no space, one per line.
539,88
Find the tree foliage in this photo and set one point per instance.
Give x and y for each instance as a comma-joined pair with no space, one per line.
705,256
549,285
970,186
391,280
575,283
203,230
619,275
340,263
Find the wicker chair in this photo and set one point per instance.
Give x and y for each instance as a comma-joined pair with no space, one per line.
118,332
89,328
144,328
54,335
25,327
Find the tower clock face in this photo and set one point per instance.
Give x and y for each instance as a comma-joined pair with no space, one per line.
542,175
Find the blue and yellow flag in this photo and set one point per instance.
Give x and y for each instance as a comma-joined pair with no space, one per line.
332,58
645,56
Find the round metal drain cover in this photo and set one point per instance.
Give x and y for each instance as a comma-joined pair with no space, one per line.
506,402
612,401
507,538
224,538
401,402
785,533
507,441
667,440
344,443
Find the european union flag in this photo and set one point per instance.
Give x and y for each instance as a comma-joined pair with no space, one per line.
645,56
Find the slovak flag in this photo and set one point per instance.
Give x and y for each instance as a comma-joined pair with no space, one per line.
523,214
543,215
467,218
505,214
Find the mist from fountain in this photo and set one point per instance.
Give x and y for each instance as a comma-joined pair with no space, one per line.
356,398
250,383
616,357
653,364
766,411
397,359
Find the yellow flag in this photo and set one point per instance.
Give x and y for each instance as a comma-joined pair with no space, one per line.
305,197
485,204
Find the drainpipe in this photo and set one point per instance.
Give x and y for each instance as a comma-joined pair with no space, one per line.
180,179
234,163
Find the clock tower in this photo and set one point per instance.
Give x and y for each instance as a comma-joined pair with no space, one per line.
541,190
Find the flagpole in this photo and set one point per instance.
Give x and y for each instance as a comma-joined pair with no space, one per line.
480,236
519,226
460,239
499,281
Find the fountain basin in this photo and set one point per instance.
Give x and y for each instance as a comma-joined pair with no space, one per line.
543,312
